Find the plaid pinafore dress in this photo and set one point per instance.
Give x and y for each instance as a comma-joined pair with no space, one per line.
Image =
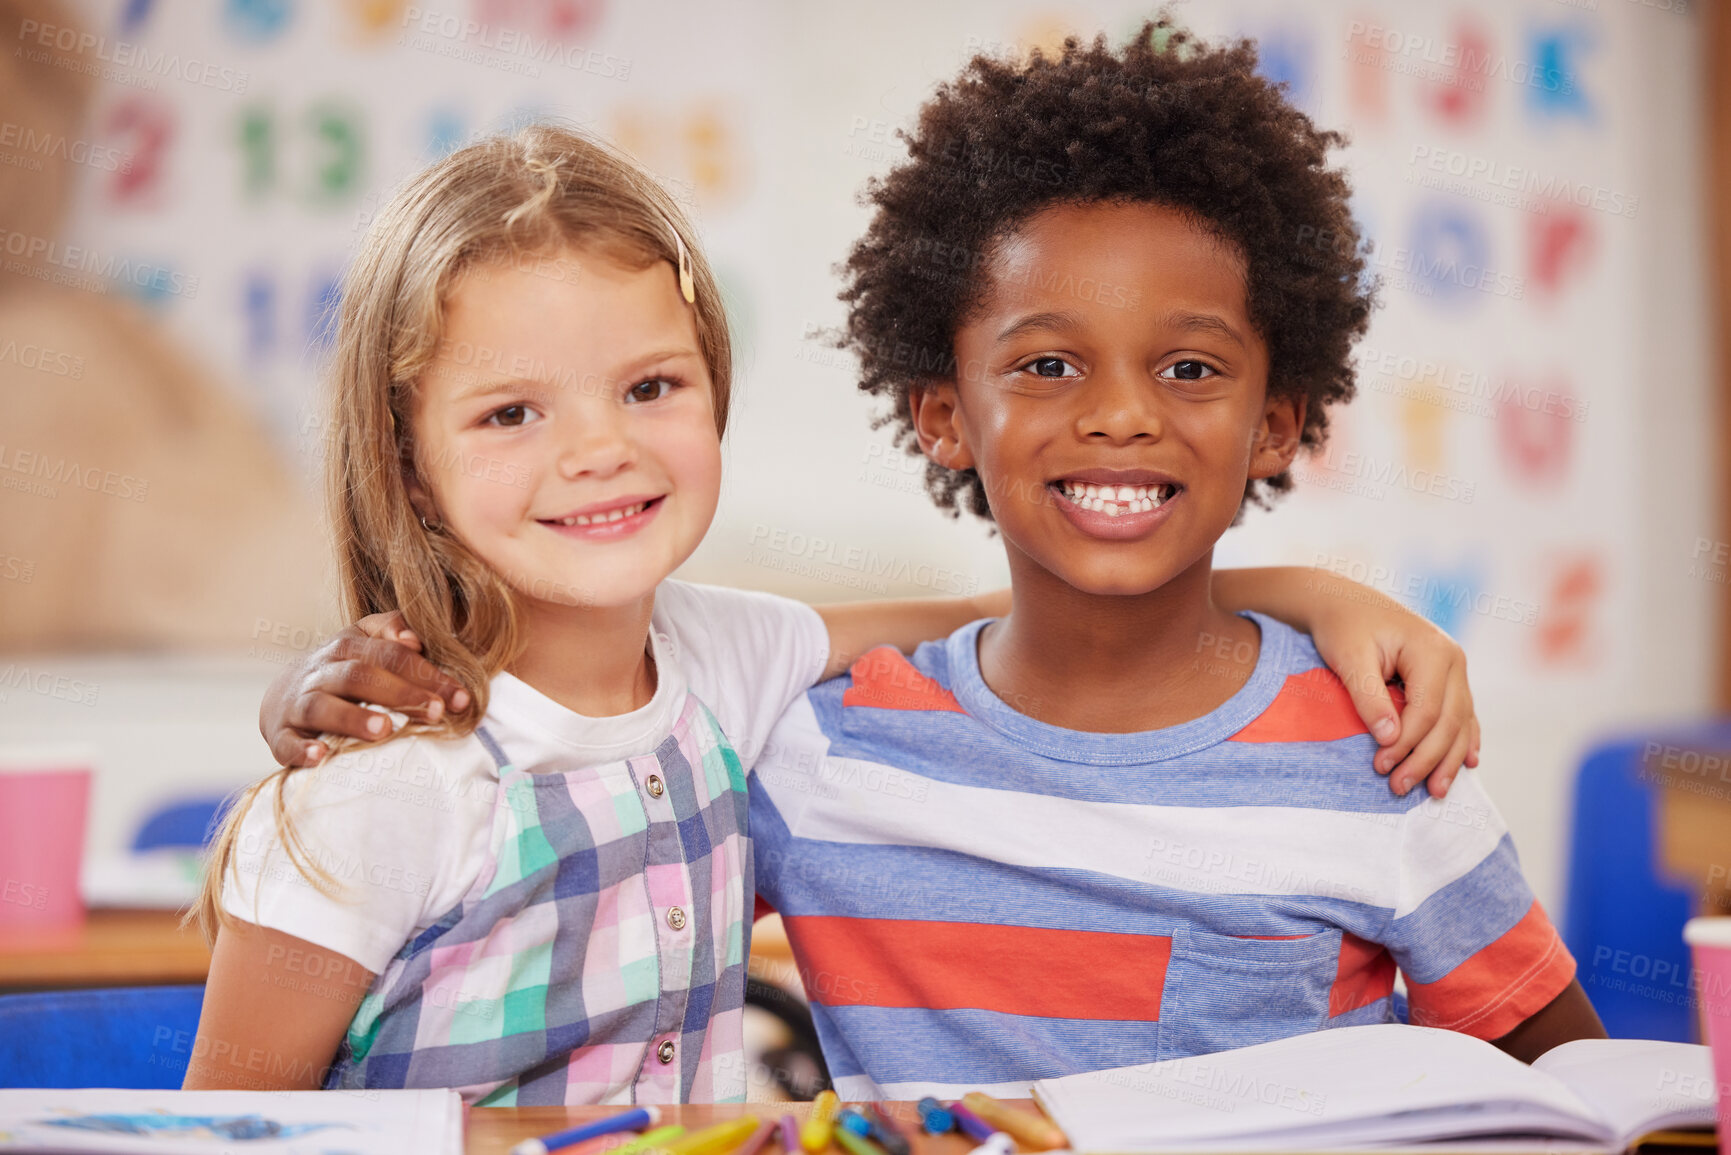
600,955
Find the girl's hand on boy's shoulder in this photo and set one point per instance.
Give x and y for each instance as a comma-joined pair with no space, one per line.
1430,735
376,660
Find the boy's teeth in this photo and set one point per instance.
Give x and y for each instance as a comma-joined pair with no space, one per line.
599,518
1116,500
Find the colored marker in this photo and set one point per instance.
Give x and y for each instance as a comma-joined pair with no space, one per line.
856,1144
716,1140
1033,1131
650,1140
935,1118
886,1132
789,1134
633,1120
971,1124
852,1120
758,1138
815,1135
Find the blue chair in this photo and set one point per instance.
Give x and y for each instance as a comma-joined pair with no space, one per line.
189,822
1622,921
131,1037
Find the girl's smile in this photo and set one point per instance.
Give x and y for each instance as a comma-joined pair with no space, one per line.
606,520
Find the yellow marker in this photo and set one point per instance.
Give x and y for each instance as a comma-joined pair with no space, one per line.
820,1124
1029,1130
659,1137
716,1140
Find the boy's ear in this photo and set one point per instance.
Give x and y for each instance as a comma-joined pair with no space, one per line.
938,426
1278,437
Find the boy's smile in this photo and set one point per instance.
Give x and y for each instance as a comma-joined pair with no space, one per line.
1113,434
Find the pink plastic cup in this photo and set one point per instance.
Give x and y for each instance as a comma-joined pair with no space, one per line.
1710,940
42,810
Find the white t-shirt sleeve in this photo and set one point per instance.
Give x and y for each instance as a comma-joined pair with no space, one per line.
747,655
402,829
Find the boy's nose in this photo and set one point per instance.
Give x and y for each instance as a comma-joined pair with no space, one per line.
1120,407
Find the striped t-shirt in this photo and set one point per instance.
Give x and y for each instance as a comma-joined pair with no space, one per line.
977,899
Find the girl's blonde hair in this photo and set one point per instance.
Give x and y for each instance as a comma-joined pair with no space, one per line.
539,191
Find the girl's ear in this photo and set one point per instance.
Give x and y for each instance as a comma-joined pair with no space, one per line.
419,499
1276,441
938,426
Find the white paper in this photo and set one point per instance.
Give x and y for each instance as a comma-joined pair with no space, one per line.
1372,1085
426,1122
1637,1085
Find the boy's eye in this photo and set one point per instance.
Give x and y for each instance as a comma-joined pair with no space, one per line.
1189,371
652,390
1051,367
511,416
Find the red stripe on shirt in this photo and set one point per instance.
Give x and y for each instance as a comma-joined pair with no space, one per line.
1500,987
1311,707
1018,970
1364,976
886,679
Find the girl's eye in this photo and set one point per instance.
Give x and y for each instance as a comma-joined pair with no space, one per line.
511,416
1051,367
1190,371
653,389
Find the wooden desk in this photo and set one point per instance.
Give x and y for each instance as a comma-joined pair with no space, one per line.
112,948
495,1130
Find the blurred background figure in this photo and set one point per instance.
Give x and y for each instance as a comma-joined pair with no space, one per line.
143,495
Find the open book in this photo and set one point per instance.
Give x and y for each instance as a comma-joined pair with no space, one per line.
222,1122
1387,1085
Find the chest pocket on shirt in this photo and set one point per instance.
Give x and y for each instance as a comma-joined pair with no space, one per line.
1223,991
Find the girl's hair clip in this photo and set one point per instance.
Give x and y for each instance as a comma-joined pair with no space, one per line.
687,283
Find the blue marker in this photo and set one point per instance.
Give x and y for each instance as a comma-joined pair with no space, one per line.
633,1120
935,1119
855,1122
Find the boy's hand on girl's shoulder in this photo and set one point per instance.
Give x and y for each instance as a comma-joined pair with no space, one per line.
1434,732
376,660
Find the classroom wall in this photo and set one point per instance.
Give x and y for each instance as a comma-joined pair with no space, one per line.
1527,463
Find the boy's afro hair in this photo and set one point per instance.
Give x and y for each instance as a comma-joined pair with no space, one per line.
1168,120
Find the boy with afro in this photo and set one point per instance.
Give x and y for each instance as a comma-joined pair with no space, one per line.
1120,824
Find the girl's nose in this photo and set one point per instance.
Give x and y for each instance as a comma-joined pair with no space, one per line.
597,445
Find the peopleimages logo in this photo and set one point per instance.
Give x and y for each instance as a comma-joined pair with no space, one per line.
47,253
463,37
87,46
58,146
62,471
1546,187
1465,59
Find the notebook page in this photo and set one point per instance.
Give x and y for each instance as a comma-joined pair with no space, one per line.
1504,1128
420,1122
1326,1083
1637,1085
